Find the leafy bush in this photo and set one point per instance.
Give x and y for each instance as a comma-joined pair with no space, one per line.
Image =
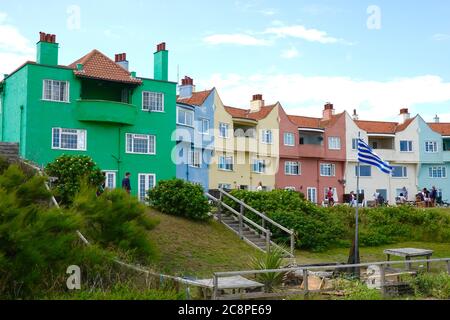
70,171
116,220
180,198
431,285
356,290
320,228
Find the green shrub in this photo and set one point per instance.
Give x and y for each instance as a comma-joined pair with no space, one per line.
116,220
37,243
431,285
70,171
180,198
356,290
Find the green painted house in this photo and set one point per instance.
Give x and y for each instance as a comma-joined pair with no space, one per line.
93,107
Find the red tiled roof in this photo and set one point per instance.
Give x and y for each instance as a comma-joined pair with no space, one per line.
441,128
314,123
197,98
98,66
383,127
246,114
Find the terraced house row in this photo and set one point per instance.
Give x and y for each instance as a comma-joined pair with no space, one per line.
95,106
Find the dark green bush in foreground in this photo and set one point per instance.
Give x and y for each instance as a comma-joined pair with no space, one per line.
39,243
116,220
180,198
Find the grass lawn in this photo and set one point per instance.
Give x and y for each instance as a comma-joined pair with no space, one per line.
188,248
371,254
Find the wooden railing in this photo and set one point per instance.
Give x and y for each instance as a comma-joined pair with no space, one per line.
265,221
305,271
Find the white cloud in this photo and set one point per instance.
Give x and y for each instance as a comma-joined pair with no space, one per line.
306,95
268,12
290,53
301,32
441,37
237,38
15,48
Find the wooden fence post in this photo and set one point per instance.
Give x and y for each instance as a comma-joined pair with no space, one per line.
268,240
241,222
293,244
383,279
215,287
305,282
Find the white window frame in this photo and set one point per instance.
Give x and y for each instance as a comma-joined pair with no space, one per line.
404,172
202,129
114,181
409,144
334,143
354,144
290,165
195,159
287,142
433,172
78,139
309,194
147,186
261,164
266,134
66,95
186,111
148,108
226,158
226,126
225,186
434,144
135,135
332,169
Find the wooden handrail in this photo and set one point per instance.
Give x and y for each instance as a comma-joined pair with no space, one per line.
261,215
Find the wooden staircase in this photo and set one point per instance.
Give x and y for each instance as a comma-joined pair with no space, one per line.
9,151
257,235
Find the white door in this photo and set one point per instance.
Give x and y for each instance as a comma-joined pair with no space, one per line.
146,182
111,179
312,195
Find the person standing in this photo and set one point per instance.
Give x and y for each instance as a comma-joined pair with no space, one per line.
433,196
126,185
330,197
260,187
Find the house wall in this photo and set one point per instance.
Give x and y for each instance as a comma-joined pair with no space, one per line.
105,141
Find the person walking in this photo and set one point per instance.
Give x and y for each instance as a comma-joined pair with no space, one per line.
126,185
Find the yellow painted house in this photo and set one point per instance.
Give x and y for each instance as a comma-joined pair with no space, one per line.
246,146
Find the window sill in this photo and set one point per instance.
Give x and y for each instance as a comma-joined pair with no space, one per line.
64,149
140,153
225,170
56,101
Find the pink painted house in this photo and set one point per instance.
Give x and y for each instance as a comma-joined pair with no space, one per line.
312,154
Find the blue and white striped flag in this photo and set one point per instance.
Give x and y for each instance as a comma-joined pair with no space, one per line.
367,156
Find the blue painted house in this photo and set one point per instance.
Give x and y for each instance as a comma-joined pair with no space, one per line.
435,157
195,133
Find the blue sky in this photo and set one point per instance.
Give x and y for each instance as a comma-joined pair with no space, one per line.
374,56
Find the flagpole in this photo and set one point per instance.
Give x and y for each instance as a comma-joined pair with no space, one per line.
357,260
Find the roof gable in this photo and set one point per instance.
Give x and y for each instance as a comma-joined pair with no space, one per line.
96,65
197,98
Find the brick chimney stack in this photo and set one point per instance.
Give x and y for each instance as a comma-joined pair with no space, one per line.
187,87
328,111
257,103
404,115
121,60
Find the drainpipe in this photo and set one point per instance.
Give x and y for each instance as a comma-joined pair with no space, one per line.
118,158
3,112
